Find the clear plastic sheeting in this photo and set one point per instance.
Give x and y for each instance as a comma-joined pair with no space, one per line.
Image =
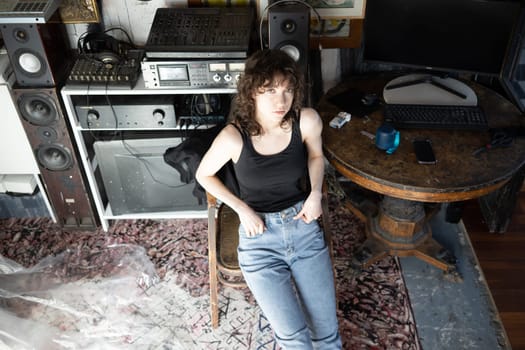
76,300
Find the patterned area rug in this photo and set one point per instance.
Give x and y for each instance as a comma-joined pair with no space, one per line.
144,285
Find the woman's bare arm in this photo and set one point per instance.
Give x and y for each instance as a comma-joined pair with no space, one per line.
311,128
227,146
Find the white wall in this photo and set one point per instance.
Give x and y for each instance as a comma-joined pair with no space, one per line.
330,68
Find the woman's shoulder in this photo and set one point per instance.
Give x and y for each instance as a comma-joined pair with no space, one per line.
230,134
309,118
309,112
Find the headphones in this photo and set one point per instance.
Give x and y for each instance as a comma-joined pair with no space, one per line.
103,47
95,42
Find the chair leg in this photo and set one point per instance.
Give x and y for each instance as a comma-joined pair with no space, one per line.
212,261
214,302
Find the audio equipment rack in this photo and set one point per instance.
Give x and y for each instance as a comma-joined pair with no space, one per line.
201,32
192,116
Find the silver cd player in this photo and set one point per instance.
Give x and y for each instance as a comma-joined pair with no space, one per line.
194,74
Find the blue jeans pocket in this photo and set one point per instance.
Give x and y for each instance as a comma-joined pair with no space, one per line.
312,235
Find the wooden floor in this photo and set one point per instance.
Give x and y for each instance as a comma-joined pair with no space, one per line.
502,259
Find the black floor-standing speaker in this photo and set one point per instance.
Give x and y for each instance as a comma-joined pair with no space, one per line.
289,30
41,113
39,56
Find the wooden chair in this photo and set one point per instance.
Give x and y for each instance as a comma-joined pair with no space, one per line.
223,239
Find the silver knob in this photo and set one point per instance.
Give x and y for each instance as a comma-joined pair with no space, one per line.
158,115
93,115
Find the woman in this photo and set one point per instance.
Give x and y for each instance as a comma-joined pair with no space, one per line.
274,145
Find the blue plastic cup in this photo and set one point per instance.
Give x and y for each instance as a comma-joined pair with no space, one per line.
387,138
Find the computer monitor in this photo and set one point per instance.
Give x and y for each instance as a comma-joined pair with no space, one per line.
441,36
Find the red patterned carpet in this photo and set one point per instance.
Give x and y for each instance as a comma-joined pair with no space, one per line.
144,285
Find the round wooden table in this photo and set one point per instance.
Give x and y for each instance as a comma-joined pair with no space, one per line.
401,224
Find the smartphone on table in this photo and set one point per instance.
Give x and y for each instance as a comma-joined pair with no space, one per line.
424,152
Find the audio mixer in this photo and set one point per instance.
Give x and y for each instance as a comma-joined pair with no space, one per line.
202,32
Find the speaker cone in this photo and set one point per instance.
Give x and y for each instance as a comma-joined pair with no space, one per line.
54,157
47,134
292,51
29,62
38,109
288,26
20,35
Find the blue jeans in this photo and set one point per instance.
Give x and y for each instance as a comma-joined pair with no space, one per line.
289,272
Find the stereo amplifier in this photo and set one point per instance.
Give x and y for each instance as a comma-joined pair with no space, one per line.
194,74
27,11
139,112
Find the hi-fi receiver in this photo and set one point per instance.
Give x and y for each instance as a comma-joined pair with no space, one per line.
118,112
195,74
27,11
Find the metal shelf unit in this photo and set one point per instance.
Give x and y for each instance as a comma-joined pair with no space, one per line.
84,142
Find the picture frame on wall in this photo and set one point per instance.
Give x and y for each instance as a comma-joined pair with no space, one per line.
336,32
79,11
334,27
339,8
327,8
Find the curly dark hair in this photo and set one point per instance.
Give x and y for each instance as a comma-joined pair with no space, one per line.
260,71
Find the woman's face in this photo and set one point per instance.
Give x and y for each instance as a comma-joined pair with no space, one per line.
273,100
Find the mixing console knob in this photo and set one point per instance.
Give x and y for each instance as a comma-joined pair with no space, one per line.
228,78
216,78
159,115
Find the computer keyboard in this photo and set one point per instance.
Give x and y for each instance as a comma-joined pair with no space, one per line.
435,117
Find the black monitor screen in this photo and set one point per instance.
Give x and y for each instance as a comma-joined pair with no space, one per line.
446,35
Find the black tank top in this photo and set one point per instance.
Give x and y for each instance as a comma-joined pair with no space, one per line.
270,183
